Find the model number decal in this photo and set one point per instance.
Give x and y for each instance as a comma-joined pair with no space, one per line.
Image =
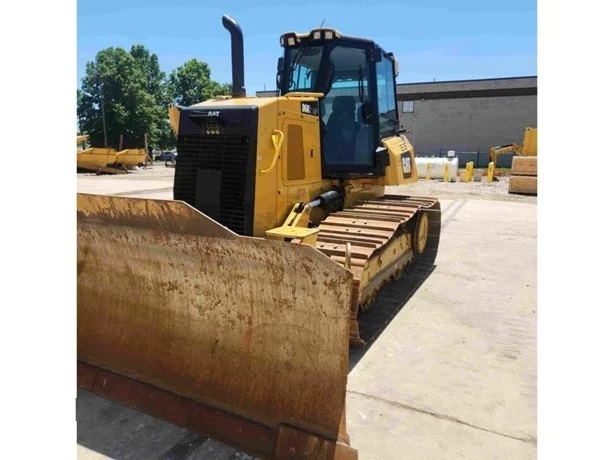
406,165
310,108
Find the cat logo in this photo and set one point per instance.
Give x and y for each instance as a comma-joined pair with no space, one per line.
213,113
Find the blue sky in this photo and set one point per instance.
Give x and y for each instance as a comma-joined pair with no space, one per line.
434,39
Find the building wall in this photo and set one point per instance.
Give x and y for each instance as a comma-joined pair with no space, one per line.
468,116
468,125
486,84
266,93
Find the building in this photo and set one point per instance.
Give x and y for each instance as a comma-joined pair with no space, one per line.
467,116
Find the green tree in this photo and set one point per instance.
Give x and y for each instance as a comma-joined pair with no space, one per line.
156,85
191,83
128,88
79,119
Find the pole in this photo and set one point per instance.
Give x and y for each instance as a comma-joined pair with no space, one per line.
491,172
148,159
104,122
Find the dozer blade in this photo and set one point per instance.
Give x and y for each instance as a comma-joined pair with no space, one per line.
241,339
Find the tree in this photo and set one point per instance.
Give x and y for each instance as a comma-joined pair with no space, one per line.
122,93
79,119
191,83
125,93
156,85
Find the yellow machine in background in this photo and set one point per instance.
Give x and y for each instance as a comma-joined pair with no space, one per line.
108,160
230,309
528,147
82,138
173,116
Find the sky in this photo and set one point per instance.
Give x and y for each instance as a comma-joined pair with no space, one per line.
432,40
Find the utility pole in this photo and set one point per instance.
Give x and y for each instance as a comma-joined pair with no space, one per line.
104,121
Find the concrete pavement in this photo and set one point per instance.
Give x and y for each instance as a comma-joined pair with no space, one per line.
454,374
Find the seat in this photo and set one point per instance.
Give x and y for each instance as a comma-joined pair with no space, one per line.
341,129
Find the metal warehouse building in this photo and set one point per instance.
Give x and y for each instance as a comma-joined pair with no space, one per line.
467,116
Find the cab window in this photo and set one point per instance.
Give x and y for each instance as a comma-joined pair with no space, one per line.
388,119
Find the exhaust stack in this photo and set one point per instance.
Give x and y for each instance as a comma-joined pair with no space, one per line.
236,43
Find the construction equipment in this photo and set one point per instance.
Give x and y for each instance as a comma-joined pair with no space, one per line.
523,176
528,147
82,138
523,173
173,116
107,160
228,310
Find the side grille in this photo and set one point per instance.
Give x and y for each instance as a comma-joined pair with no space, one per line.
211,175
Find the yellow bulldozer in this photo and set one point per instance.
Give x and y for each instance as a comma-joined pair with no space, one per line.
230,309
107,160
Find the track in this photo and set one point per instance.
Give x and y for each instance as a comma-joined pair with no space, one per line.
372,228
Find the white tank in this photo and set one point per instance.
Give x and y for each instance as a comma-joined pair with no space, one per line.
437,167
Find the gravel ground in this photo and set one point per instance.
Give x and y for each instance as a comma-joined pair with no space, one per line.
154,171
496,190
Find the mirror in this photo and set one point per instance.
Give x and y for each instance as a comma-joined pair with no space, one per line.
366,113
328,71
377,54
280,70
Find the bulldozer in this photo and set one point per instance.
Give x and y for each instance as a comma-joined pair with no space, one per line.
108,161
231,309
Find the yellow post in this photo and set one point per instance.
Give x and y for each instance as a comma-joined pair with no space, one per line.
491,172
446,172
469,172
428,171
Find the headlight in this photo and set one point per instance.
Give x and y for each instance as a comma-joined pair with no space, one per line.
289,39
324,34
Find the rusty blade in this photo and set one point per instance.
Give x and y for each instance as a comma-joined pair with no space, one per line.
257,328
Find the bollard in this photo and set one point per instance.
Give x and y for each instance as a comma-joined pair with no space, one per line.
491,172
428,171
469,172
446,172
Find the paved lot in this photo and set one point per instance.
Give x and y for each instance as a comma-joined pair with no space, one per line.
452,376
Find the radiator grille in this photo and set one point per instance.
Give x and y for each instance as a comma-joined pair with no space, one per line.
226,153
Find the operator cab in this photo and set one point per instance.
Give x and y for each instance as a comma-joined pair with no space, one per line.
358,110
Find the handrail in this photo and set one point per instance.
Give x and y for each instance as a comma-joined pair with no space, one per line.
277,142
